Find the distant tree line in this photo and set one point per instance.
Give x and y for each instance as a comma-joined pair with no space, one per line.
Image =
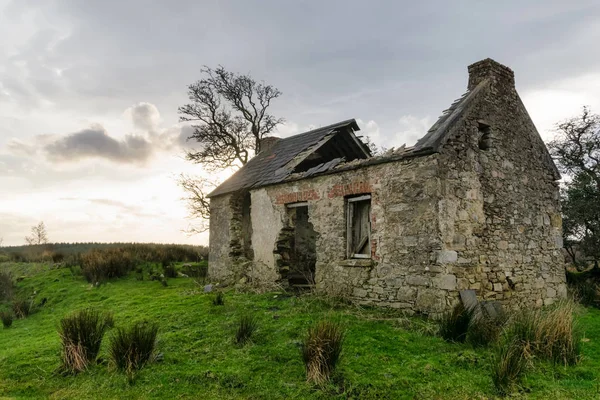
58,252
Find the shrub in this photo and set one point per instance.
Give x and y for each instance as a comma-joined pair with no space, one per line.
584,292
7,286
7,318
130,349
509,363
100,265
219,299
22,307
81,335
454,324
169,271
246,327
197,272
321,350
57,257
550,334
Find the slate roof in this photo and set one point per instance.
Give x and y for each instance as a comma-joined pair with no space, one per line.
267,167
437,135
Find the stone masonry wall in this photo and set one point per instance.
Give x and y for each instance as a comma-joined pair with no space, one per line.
219,259
483,217
407,268
500,211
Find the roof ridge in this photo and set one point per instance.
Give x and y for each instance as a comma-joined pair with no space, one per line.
330,126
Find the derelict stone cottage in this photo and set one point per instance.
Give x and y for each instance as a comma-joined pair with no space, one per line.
473,205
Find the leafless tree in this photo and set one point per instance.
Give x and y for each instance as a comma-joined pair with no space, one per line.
197,203
38,235
229,114
1,241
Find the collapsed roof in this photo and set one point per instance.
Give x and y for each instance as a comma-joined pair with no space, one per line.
336,148
295,154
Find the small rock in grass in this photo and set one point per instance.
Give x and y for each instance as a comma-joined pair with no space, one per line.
208,288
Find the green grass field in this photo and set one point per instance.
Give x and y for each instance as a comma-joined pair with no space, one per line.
386,356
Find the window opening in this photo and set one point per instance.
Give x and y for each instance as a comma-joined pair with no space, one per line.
358,211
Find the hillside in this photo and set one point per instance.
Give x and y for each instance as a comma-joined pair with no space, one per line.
385,355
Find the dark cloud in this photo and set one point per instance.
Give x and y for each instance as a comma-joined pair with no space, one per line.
96,143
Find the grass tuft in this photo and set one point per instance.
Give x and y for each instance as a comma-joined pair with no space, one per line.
509,363
551,334
7,318
247,325
321,350
130,349
219,299
81,335
485,329
22,307
7,285
454,324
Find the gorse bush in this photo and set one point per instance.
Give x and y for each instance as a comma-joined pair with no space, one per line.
81,335
22,307
219,299
7,286
321,350
131,348
7,318
247,325
509,364
101,265
454,325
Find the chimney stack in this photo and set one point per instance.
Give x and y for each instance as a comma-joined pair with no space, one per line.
500,75
267,143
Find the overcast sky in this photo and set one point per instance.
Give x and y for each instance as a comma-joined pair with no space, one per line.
89,135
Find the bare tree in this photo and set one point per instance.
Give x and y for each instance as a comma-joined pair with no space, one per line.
38,235
229,114
197,203
1,241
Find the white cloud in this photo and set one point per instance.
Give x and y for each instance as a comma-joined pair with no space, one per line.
561,100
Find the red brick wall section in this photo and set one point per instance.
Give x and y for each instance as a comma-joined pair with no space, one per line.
350,189
294,197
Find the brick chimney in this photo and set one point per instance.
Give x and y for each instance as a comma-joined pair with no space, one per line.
501,75
267,143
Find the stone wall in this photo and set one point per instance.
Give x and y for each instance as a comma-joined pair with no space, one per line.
405,245
219,259
481,214
501,210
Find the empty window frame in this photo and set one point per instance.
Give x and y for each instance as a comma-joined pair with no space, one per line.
358,226
485,137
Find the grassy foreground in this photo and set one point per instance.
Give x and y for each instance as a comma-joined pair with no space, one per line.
385,356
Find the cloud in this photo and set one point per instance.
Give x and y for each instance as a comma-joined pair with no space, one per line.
144,116
411,129
94,142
